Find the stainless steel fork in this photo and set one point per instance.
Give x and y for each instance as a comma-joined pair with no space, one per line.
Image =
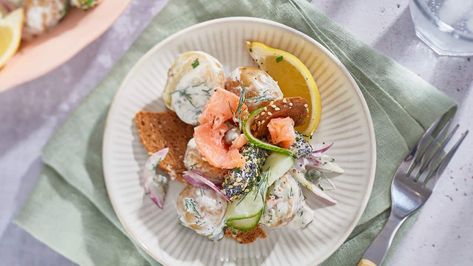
413,183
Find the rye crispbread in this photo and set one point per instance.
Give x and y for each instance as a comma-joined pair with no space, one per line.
165,129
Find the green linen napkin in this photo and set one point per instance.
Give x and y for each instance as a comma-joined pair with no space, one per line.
69,209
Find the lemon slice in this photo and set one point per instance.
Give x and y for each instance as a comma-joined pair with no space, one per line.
10,35
293,78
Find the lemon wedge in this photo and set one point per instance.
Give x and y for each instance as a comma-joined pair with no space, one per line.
293,78
10,34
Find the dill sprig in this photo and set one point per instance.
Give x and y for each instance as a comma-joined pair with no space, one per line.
239,110
262,184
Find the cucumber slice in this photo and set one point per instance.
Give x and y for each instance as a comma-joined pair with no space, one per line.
245,224
257,142
245,214
249,206
277,165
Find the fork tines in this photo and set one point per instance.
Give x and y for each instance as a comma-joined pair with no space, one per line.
431,157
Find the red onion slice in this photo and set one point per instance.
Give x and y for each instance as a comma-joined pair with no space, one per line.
154,184
322,148
197,180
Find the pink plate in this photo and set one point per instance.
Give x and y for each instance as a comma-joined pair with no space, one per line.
48,51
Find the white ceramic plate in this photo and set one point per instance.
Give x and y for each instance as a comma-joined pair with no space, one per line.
345,121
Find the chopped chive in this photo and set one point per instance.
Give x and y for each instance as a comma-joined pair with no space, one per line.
279,59
195,63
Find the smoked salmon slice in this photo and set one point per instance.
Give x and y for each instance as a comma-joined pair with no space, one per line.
220,108
211,131
282,131
210,143
239,142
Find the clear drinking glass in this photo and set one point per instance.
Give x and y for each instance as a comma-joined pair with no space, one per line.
446,26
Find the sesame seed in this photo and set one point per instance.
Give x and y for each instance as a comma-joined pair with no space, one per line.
269,113
277,108
291,104
306,105
284,100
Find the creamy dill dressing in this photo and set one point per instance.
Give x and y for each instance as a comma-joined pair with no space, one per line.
202,210
40,16
283,202
261,87
188,102
304,216
266,85
195,87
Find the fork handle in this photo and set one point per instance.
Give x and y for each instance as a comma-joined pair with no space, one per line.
378,249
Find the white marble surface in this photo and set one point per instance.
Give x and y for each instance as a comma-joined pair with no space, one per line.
29,114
